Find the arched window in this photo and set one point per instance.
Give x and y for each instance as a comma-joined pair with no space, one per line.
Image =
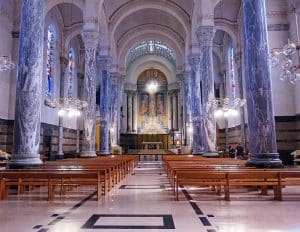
50,62
71,68
231,71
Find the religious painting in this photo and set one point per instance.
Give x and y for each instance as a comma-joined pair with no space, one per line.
160,103
144,104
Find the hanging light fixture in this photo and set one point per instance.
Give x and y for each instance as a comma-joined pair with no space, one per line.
283,57
225,107
68,107
6,64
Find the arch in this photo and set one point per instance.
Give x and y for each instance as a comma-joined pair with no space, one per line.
135,6
150,62
52,3
231,30
138,35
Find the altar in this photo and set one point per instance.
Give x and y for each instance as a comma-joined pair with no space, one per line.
152,145
151,151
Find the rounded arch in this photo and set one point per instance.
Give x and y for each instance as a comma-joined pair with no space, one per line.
229,29
136,6
52,3
150,62
138,36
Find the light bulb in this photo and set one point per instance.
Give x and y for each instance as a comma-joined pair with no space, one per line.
287,64
289,49
61,112
218,113
274,58
77,113
285,75
226,114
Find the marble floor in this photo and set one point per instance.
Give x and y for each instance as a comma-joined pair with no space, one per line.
143,202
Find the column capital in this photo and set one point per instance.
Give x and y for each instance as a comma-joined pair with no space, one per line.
194,61
90,39
104,62
205,35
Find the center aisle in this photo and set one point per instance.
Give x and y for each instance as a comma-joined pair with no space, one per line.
141,202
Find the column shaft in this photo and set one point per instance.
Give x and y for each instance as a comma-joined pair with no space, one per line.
188,110
90,39
129,112
104,66
205,36
197,115
29,86
175,111
262,140
134,112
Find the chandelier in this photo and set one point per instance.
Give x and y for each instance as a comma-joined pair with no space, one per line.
225,107
283,57
6,63
70,107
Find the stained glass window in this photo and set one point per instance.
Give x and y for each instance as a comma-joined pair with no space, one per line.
231,67
50,62
71,67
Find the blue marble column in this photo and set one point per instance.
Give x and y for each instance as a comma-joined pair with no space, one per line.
29,89
188,86
196,106
113,106
63,66
205,35
90,39
104,63
262,137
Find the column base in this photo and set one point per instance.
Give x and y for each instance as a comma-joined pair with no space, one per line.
197,153
88,154
60,156
265,160
22,163
104,152
211,155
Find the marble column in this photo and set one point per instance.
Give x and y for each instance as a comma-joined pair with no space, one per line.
104,67
121,105
262,136
175,111
196,107
80,84
114,105
90,39
181,107
129,112
29,89
188,85
170,123
134,112
63,66
205,35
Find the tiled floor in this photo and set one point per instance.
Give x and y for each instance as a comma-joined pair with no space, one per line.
143,202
